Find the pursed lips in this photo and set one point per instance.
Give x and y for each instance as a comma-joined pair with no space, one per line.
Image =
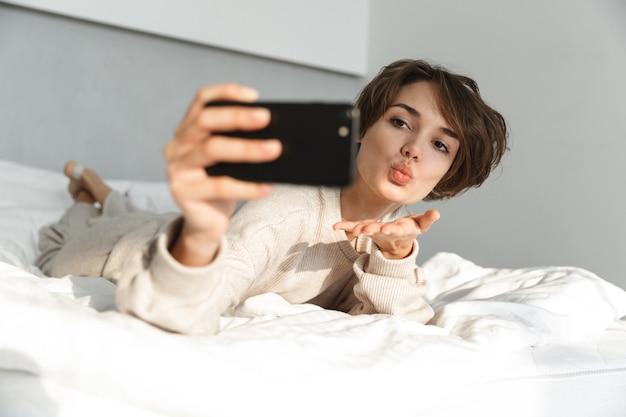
404,169
402,173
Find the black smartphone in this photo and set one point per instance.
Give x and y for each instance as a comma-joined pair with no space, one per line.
319,144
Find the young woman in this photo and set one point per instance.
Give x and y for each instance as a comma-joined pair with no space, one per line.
425,134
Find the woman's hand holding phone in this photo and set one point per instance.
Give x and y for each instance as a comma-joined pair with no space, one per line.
207,202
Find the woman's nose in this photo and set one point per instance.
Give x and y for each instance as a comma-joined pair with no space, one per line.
411,151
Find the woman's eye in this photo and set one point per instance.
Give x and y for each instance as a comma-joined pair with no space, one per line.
398,122
441,146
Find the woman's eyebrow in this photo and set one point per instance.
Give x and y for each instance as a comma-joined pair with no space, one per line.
408,108
413,112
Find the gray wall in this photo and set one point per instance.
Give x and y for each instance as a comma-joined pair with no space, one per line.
555,69
112,97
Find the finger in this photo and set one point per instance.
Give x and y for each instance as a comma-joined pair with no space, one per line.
190,129
398,228
230,118
346,226
203,188
224,149
225,91
369,229
222,119
227,149
426,220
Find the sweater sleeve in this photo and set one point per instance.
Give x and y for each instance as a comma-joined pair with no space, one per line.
393,287
161,291
190,300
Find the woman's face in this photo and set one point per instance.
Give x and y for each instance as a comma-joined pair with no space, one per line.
408,150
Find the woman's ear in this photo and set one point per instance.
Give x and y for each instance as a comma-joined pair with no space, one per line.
359,140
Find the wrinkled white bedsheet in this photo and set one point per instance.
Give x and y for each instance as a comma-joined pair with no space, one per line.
287,358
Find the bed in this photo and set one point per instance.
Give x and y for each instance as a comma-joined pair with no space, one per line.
537,341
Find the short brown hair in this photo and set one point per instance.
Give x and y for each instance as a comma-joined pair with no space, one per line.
482,130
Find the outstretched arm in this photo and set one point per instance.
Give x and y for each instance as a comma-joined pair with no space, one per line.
208,202
175,281
389,280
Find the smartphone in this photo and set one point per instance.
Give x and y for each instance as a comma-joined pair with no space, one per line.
319,144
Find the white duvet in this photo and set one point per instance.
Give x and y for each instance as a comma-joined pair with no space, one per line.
66,351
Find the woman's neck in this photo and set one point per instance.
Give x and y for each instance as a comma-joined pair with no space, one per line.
358,203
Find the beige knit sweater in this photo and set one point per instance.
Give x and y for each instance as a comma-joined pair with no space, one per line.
283,244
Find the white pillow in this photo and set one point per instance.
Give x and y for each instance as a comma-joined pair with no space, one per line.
33,197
